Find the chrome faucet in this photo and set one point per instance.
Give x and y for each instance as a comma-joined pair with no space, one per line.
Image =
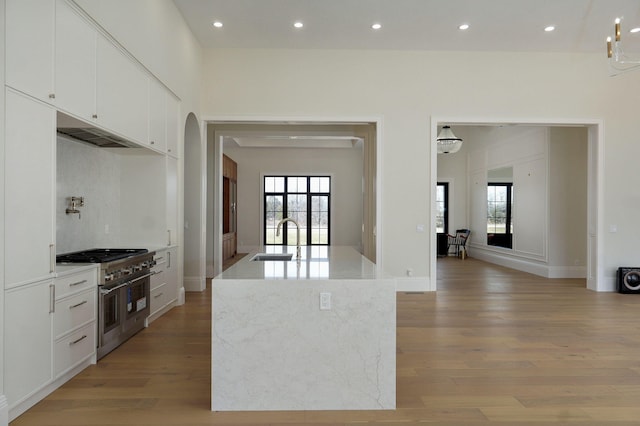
288,219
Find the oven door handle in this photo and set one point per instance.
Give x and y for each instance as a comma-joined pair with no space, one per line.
140,278
107,291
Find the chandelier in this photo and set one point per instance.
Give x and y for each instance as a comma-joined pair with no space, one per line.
448,143
618,60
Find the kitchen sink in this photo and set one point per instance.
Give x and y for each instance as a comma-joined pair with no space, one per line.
272,256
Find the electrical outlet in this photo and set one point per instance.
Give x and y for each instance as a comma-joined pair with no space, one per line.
325,301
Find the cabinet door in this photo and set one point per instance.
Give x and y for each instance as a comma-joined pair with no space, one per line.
121,96
173,126
75,68
29,193
157,116
27,341
171,272
172,200
29,46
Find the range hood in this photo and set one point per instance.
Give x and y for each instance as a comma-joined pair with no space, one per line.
87,133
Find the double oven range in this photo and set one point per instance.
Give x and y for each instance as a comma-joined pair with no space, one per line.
124,287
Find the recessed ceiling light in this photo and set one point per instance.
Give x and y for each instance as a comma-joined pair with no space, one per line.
550,28
298,24
463,27
376,26
635,30
217,24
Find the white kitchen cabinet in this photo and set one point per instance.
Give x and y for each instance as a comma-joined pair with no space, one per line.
121,96
157,116
172,201
75,63
172,273
173,125
30,199
28,361
29,46
164,290
49,337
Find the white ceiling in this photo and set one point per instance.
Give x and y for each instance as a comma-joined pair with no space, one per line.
500,25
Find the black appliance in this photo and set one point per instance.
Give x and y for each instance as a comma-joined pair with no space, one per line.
124,292
629,280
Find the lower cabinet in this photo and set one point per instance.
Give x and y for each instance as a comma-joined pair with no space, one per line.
48,337
27,341
164,282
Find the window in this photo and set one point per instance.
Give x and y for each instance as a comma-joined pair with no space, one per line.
499,214
306,200
442,207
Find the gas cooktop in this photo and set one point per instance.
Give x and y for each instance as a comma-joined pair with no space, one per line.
98,255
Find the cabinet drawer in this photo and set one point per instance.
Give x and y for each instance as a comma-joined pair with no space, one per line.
77,282
159,297
72,349
74,311
158,278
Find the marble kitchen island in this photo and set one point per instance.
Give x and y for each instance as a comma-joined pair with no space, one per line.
318,334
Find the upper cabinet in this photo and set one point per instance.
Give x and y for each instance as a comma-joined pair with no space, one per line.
163,119
173,125
121,92
75,63
30,198
57,54
29,47
157,116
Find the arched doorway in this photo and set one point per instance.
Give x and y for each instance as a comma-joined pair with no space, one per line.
194,205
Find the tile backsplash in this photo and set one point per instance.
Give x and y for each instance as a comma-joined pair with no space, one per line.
93,173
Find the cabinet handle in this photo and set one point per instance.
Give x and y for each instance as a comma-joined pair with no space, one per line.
78,304
52,258
94,116
52,298
78,341
152,142
78,283
158,295
169,150
168,259
168,237
52,95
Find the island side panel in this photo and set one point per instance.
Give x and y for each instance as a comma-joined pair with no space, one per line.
274,349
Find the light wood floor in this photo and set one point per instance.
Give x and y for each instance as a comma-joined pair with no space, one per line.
492,346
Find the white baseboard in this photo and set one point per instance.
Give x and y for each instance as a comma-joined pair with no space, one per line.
181,296
195,283
567,272
405,284
4,411
531,266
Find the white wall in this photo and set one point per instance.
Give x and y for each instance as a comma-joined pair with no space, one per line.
407,88
344,165
568,201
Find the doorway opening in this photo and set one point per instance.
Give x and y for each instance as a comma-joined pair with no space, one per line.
346,151
471,186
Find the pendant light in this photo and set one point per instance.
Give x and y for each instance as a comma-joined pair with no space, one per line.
448,143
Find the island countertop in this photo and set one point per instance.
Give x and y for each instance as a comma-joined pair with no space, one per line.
316,263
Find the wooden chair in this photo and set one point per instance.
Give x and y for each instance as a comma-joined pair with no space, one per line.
458,241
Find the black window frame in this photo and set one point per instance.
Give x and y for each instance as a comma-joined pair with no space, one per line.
284,194
445,185
503,239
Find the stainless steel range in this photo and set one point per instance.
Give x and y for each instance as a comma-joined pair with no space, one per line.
123,293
